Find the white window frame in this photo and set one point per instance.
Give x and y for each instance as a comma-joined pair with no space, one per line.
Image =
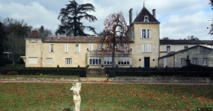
90,47
124,61
146,18
168,49
95,61
164,62
33,60
107,60
205,61
147,47
51,48
195,61
146,33
66,48
49,61
68,61
183,61
77,48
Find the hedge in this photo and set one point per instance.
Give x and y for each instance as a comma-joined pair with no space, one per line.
47,71
145,72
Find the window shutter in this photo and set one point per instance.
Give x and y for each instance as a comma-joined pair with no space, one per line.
65,47
50,48
90,47
79,48
150,33
150,47
143,47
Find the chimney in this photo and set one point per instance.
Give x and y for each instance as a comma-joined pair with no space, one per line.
130,17
154,12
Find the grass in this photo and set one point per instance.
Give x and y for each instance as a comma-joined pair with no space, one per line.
104,97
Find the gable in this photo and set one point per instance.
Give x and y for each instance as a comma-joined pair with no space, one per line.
141,16
196,49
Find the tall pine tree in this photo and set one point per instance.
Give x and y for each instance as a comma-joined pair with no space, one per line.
71,19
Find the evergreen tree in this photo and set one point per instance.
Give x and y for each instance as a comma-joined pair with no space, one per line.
2,37
44,32
71,17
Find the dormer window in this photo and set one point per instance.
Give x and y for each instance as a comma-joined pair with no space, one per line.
146,18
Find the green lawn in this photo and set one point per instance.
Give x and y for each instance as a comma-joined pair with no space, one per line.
104,97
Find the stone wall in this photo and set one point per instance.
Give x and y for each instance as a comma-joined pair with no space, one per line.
163,79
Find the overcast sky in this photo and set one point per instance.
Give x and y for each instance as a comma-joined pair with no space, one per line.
179,18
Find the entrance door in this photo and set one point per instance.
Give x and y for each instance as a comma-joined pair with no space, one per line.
147,62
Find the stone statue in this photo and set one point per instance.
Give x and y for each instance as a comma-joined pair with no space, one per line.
76,88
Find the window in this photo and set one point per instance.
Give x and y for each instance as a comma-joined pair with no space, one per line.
90,47
51,47
77,48
33,60
205,61
95,61
68,60
194,61
49,61
183,61
165,62
186,46
66,48
147,47
168,49
146,18
123,61
107,60
146,33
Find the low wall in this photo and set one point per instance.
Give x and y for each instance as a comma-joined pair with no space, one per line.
163,79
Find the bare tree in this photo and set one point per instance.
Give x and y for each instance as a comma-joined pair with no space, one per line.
211,27
192,37
16,31
115,36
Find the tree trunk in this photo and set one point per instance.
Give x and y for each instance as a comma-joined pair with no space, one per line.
113,53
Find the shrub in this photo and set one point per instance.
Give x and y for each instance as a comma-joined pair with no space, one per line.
12,73
144,72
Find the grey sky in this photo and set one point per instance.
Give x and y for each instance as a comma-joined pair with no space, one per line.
179,18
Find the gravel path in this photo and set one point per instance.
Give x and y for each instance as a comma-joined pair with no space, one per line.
91,80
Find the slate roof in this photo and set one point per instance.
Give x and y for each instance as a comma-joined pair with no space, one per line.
79,39
171,54
181,42
144,12
73,39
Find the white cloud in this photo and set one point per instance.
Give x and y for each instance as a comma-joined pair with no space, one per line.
179,18
32,13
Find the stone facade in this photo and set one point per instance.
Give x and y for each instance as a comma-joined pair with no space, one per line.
85,51
198,55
